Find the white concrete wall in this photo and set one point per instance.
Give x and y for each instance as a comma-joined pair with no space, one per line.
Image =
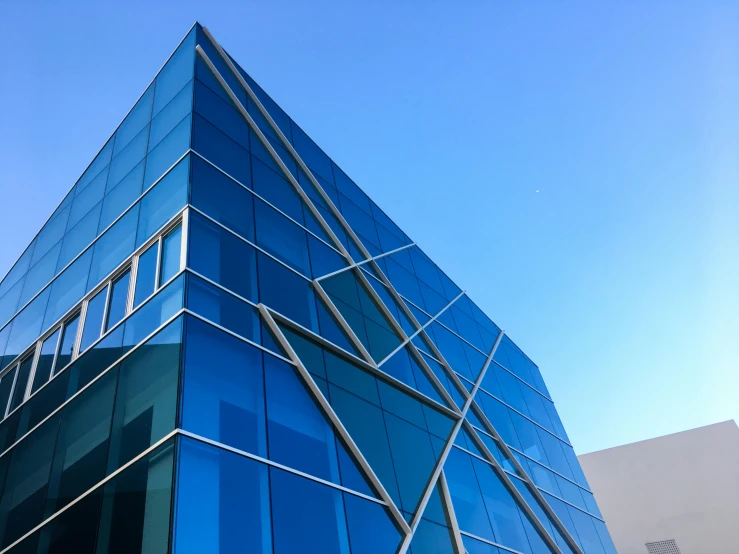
683,487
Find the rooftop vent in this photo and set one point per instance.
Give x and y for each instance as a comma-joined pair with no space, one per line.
663,547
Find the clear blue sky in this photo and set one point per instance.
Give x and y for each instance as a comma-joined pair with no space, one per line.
619,277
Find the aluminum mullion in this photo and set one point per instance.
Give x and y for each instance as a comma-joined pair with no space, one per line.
184,238
421,327
399,329
268,146
338,425
344,324
363,262
89,491
289,147
445,453
503,475
369,368
523,474
446,499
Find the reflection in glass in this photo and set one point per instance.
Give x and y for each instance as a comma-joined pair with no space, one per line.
45,361
145,274
118,300
93,319
171,247
68,338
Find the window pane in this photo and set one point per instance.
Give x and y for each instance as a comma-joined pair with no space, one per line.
222,198
224,389
6,385
171,249
136,506
145,274
146,400
222,502
118,298
93,319
22,503
68,337
82,444
281,237
68,288
154,313
45,361
113,247
222,257
307,517
19,391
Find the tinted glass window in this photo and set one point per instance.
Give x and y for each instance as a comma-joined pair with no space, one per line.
171,251
21,382
45,361
118,300
93,319
145,274
69,334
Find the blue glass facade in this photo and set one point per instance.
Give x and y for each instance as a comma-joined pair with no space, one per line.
219,343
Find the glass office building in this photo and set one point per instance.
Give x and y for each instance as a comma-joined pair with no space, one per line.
219,343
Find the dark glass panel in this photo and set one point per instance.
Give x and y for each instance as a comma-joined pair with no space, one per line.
22,503
220,150
81,448
146,400
136,506
223,394
21,383
45,361
431,538
68,337
6,386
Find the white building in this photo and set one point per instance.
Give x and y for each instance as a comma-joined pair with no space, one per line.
673,494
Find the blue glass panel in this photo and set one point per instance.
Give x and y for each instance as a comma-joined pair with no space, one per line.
87,199
167,152
222,502
307,517
223,395
136,120
221,113
93,170
154,313
223,152
555,456
586,531
351,378
171,115
528,438
45,361
128,158
464,489
323,260
282,238
222,257
67,345
9,302
499,417
113,247
51,233
79,237
171,252
371,530
40,274
173,76
478,547
27,326
311,154
299,435
163,201
222,198
502,508
122,196
223,308
287,293
346,186
274,188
